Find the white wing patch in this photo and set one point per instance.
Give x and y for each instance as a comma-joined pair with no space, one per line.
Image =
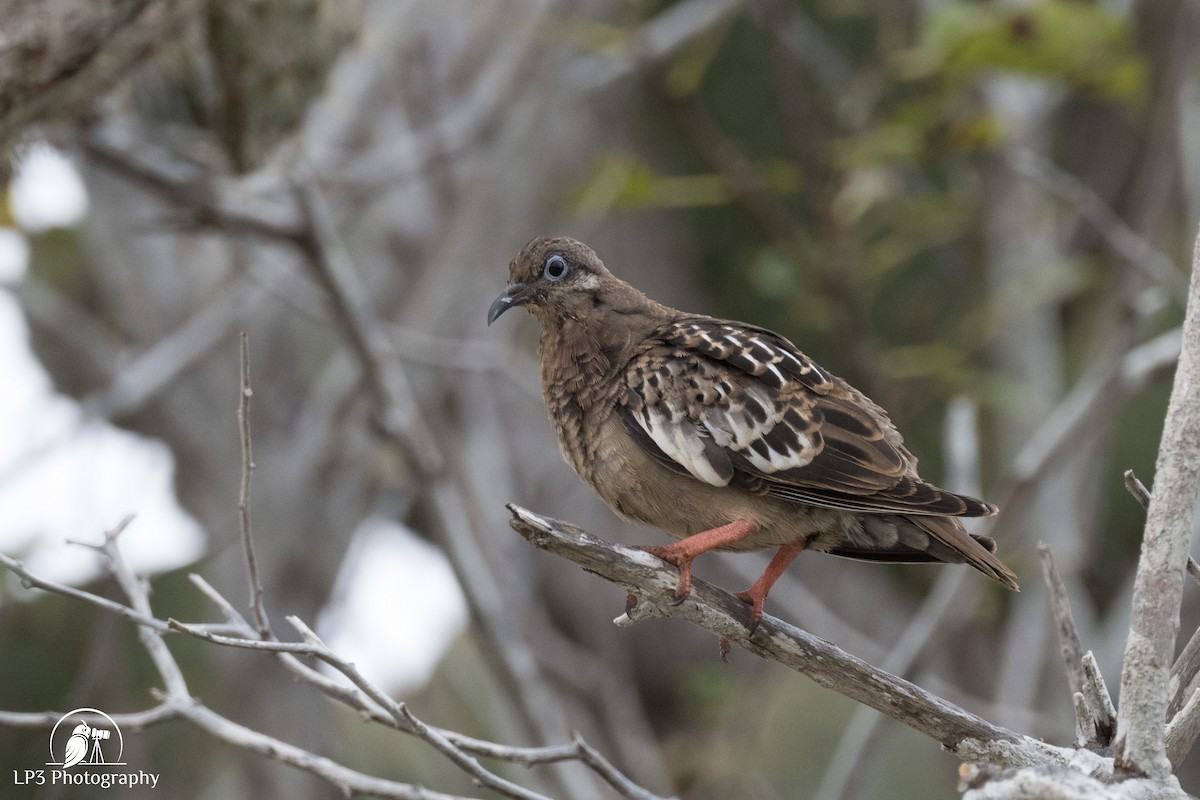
700,417
717,399
679,438
778,461
744,424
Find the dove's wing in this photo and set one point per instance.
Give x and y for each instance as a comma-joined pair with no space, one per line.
732,403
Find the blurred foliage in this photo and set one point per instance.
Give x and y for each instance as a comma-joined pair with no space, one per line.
881,186
881,181
1085,45
625,183
252,80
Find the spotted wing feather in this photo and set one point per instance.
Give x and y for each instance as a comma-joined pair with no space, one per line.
735,404
712,422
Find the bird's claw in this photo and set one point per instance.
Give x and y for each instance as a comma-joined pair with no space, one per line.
756,605
684,588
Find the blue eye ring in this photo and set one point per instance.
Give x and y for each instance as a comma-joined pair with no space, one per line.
556,268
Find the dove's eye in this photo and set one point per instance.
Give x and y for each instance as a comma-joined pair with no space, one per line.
555,269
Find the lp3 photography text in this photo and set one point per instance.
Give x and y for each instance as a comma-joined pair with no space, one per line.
102,780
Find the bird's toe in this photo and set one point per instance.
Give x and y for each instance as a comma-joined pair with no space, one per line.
683,563
756,604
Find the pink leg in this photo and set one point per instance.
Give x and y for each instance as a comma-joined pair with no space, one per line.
756,595
684,552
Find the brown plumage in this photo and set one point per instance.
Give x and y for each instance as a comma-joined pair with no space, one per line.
724,434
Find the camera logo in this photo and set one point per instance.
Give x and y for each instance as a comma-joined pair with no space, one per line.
80,737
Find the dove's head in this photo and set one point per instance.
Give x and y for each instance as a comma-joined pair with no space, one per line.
556,277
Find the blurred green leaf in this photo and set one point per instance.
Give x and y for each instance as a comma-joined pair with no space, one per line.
771,276
625,182
1055,282
908,222
692,61
1087,45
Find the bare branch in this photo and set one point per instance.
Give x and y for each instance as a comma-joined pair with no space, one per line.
1085,722
1060,783
399,416
347,780
1138,489
1142,495
1068,635
174,354
1075,417
590,756
203,202
1095,717
47,46
1185,675
959,731
1158,587
31,581
231,614
1124,240
364,696
1183,729
403,719
1093,678
136,721
402,715
138,592
262,624
357,699
654,42
1095,692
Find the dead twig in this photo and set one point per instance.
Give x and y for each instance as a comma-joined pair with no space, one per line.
959,731
1123,240
176,701
1095,716
1138,489
1154,623
399,417
31,581
262,623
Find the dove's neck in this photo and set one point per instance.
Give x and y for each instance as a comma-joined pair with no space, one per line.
583,356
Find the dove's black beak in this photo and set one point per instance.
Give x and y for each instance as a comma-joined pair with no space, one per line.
516,294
